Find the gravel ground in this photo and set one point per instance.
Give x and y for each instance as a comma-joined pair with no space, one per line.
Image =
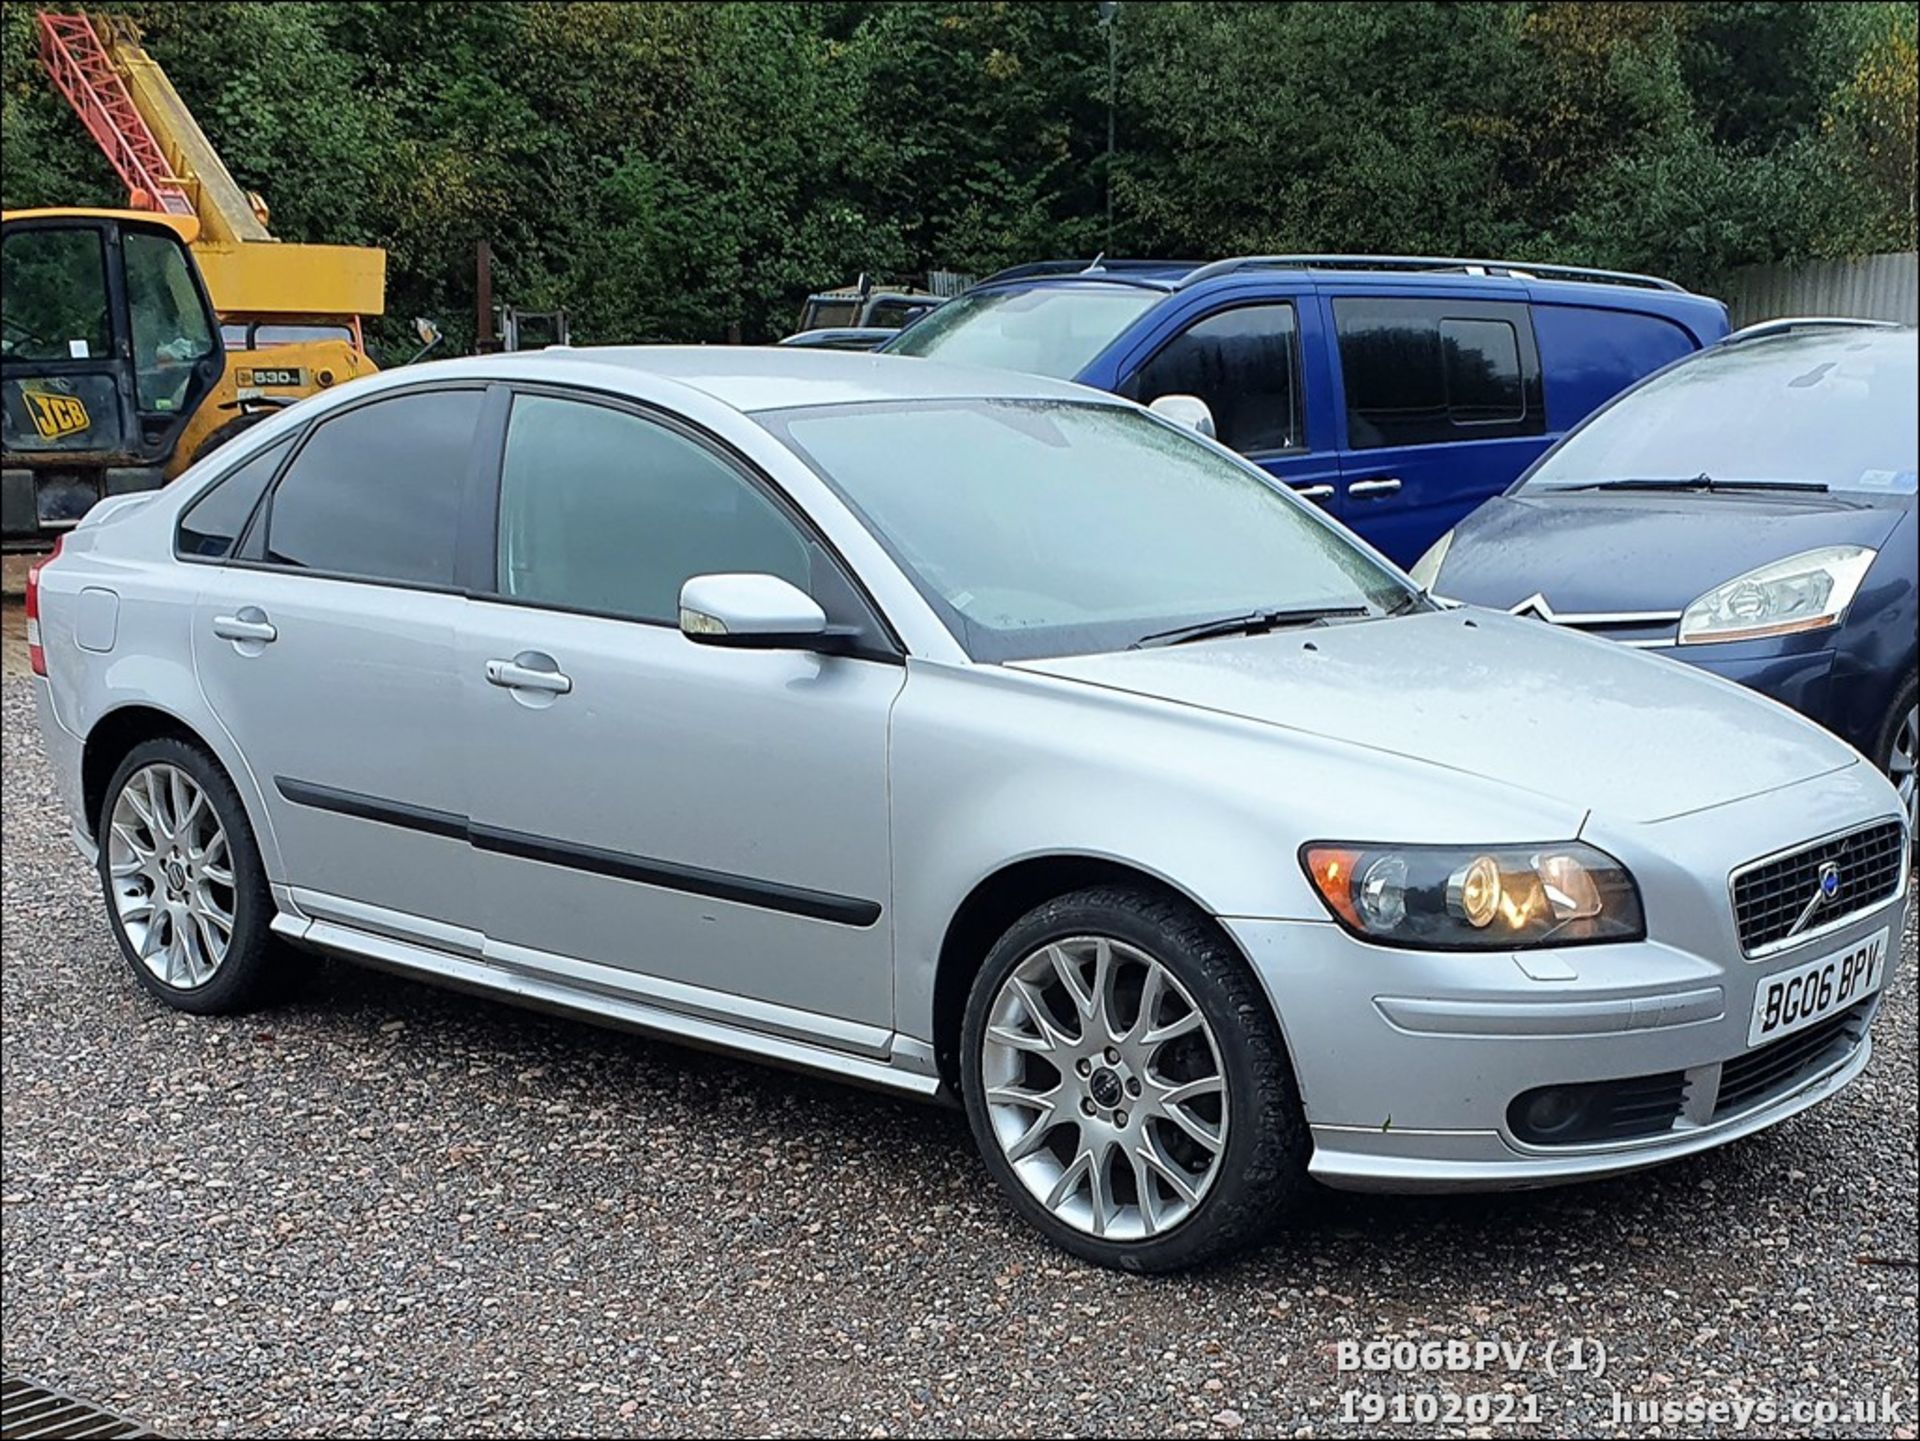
389,1210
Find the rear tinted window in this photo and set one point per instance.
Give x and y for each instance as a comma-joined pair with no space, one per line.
1423,372
1242,364
212,524
375,493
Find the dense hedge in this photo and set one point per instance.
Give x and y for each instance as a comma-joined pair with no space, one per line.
668,170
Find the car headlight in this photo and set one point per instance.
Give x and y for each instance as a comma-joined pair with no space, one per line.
1426,570
1472,898
1809,591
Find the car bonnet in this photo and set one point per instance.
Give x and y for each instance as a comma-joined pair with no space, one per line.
1635,737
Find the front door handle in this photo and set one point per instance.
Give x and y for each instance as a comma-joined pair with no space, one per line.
1385,485
530,670
248,623
1314,492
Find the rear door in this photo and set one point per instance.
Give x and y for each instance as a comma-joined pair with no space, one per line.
325,646
1260,365
1442,406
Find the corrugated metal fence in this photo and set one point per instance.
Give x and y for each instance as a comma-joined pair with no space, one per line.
1875,287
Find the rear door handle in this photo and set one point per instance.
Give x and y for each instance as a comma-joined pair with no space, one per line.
529,671
1385,485
248,623
1314,492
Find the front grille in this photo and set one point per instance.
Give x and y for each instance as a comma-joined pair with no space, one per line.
1754,1077
29,1411
1769,899
1601,1110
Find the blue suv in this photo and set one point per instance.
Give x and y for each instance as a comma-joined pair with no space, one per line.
1399,392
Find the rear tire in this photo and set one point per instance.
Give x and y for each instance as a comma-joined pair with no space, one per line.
186,895
1127,1084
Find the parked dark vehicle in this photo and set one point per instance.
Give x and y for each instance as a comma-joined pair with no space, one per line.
863,306
1398,392
1749,510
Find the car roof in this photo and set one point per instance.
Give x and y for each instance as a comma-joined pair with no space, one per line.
755,378
1798,339
1537,281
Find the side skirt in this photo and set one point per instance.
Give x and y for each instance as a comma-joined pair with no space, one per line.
904,1065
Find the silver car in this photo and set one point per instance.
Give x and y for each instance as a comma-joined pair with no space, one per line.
969,735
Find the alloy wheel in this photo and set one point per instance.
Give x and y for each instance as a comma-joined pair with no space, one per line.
171,876
1104,1088
1903,766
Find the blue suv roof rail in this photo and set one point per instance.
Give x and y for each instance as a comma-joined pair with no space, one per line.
1417,263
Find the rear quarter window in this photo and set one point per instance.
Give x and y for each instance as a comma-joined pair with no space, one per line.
211,526
1591,355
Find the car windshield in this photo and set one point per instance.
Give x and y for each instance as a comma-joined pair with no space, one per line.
1818,408
1046,330
1044,528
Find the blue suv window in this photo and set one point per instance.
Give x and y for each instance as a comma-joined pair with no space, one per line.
1244,363
1423,372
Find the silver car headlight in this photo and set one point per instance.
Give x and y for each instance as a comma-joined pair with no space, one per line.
1472,898
1809,591
1426,570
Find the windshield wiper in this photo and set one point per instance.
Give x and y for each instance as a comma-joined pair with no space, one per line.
1703,481
1257,622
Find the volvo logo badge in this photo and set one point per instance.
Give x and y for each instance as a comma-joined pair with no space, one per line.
1826,890
1829,880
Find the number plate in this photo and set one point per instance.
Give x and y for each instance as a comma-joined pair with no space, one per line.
1799,997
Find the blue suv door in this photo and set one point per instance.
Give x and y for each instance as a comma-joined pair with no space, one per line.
1258,358
1441,405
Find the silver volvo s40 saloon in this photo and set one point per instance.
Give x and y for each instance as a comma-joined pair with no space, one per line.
966,734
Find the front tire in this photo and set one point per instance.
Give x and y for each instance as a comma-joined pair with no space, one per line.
1899,753
1127,1084
186,895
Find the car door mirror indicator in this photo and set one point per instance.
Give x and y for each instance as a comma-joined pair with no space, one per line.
760,612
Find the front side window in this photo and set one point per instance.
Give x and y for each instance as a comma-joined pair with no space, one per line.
605,511
1047,330
1243,364
375,493
211,526
1430,372
1045,528
171,331
55,287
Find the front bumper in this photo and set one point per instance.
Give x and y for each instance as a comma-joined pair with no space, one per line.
1408,1061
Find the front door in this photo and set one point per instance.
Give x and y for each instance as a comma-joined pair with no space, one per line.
704,829
326,649
1255,364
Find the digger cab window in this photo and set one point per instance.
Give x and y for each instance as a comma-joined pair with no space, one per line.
55,283
170,327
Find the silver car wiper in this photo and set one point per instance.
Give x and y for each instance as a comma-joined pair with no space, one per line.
1703,481
1256,622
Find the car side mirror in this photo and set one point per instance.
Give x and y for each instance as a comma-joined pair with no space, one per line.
1188,410
751,612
